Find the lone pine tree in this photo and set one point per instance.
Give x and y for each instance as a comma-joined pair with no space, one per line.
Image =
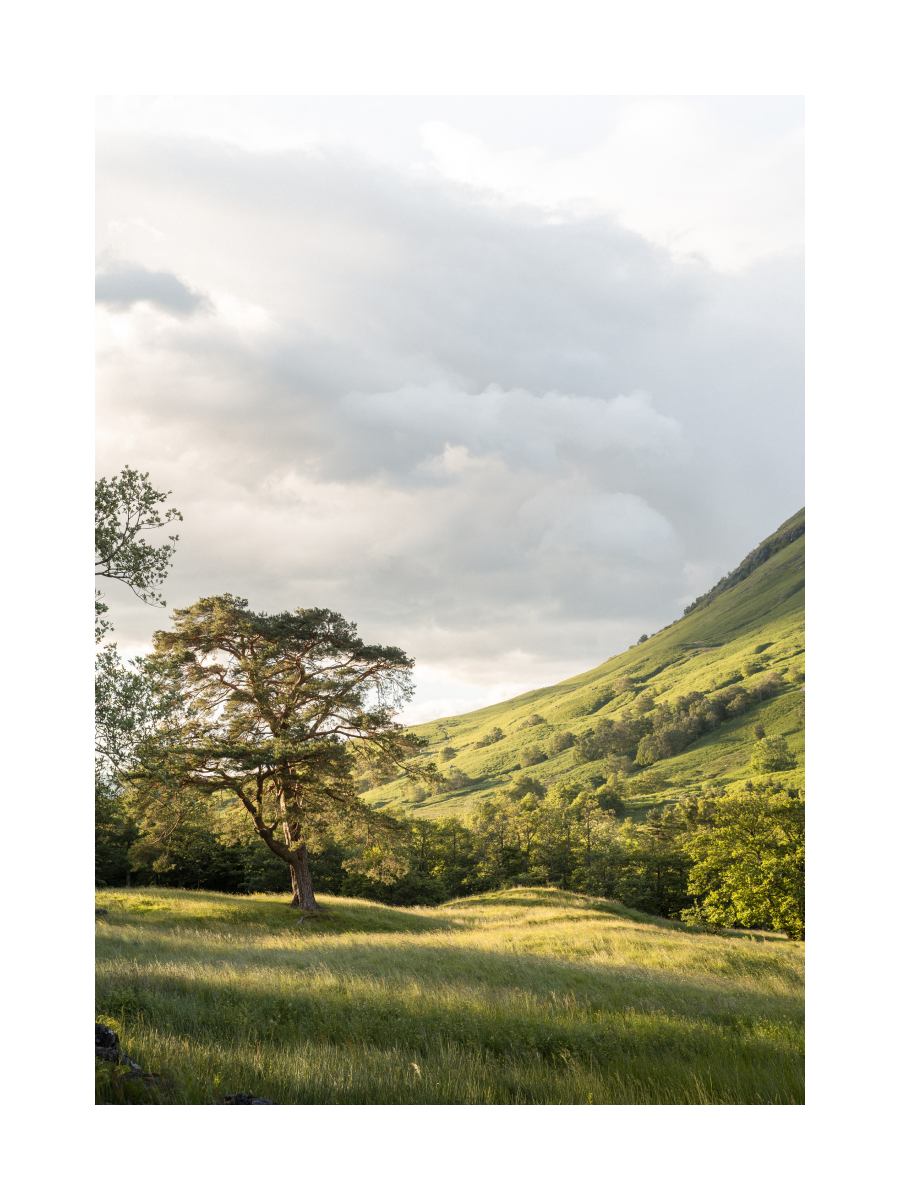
276,712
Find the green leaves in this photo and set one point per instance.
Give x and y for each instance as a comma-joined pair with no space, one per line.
749,862
124,506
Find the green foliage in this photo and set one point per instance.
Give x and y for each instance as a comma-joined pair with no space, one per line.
531,756
278,711
772,754
493,735
646,784
748,864
124,506
447,753
561,741
534,719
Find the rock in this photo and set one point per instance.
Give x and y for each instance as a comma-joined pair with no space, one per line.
101,912
243,1098
106,1043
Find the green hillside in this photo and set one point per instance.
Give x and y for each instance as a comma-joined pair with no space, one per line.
732,664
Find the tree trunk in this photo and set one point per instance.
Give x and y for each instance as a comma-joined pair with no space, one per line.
301,882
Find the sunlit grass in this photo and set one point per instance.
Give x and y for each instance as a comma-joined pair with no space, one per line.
530,996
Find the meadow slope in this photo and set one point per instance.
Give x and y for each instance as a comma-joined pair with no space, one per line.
756,612
527,996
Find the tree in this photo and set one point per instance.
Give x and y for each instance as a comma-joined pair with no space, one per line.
281,708
560,741
492,736
749,863
772,754
123,507
531,756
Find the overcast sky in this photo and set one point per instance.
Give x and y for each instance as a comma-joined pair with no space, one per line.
506,381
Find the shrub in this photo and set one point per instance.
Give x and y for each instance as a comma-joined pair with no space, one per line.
560,741
534,719
531,756
646,784
494,735
447,753
587,749
751,667
772,754
622,685
609,798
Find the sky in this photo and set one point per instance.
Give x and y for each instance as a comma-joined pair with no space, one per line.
508,381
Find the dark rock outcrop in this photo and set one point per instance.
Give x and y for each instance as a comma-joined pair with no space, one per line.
106,1043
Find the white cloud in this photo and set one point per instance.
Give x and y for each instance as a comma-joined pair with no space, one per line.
505,444
669,169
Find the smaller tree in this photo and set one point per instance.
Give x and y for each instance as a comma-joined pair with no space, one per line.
560,741
447,753
531,756
772,754
492,736
534,719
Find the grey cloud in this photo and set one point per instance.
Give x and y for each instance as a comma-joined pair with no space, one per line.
122,285
479,434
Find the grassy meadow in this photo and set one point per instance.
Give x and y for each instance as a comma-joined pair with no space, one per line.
526,996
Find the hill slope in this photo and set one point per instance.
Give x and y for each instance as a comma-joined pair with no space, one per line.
750,625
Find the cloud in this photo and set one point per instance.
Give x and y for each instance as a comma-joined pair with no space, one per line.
505,443
122,285
674,170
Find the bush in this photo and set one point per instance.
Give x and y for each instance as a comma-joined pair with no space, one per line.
492,736
531,756
751,667
534,719
447,753
772,754
646,784
560,742
622,685
587,749
609,798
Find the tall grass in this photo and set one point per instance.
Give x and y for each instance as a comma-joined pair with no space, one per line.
530,996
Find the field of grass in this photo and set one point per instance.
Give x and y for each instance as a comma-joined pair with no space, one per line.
762,617
528,996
